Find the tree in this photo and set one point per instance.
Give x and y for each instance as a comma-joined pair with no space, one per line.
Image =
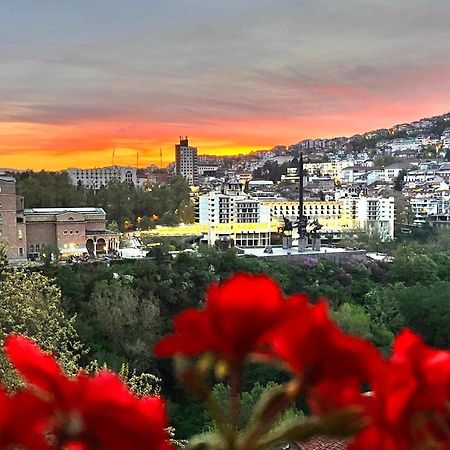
426,310
402,208
124,326
247,402
30,303
353,319
382,161
185,212
413,268
169,219
384,309
3,254
49,189
399,181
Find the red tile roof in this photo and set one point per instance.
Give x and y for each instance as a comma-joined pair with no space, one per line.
322,443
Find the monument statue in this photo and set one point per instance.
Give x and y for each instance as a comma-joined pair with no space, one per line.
286,232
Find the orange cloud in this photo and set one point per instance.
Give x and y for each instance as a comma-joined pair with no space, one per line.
90,143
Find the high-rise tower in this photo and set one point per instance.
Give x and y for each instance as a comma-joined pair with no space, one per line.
186,161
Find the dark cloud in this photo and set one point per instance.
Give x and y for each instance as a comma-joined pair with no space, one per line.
186,61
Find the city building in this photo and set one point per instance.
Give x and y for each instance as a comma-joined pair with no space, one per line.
100,177
186,163
12,221
234,216
332,169
68,232
340,216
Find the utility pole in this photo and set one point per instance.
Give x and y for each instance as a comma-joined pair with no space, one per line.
301,216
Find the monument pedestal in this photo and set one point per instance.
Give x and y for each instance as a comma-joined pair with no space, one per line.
316,243
302,244
287,242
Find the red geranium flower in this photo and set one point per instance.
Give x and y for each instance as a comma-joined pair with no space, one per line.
332,364
23,420
237,314
94,412
408,405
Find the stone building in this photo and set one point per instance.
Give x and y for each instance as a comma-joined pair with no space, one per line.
69,232
12,222
100,177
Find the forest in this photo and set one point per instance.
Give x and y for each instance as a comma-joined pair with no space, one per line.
126,206
99,314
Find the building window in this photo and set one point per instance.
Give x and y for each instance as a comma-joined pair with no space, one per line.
1,218
65,232
37,248
31,248
19,234
20,251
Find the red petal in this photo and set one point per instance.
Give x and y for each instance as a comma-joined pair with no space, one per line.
36,367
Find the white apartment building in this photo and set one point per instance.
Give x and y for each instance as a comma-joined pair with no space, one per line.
203,169
186,163
445,138
343,215
428,175
240,217
373,213
332,168
423,205
99,177
387,174
401,144
353,174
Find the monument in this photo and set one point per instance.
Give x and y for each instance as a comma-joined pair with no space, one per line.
302,222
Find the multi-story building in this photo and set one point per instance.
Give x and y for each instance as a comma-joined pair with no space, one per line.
426,175
401,144
12,221
250,221
207,169
239,217
100,177
445,138
332,168
68,232
340,216
186,163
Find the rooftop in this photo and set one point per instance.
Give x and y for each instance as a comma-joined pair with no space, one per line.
7,178
279,251
84,210
322,443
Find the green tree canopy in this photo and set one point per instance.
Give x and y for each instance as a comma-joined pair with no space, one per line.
30,303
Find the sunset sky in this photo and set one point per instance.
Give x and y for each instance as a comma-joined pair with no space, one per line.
81,77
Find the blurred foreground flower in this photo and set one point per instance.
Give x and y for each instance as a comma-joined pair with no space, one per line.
88,412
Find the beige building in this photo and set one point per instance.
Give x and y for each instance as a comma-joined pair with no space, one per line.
340,216
69,231
12,223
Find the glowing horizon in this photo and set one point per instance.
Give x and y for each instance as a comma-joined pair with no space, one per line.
81,79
